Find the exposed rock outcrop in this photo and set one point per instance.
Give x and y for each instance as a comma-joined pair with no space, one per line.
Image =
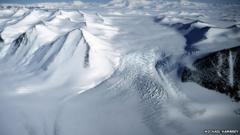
218,71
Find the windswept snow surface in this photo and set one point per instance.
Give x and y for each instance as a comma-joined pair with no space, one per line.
114,69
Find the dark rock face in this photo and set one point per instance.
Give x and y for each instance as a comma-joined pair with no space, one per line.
86,57
191,32
218,71
1,40
16,44
196,35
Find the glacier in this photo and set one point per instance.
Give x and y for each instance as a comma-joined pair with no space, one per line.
126,67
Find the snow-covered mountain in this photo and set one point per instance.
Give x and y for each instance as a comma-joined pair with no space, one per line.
130,3
128,67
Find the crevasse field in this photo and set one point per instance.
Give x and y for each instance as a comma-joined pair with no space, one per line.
127,67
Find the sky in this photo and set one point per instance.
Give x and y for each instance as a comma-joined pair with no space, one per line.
37,1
